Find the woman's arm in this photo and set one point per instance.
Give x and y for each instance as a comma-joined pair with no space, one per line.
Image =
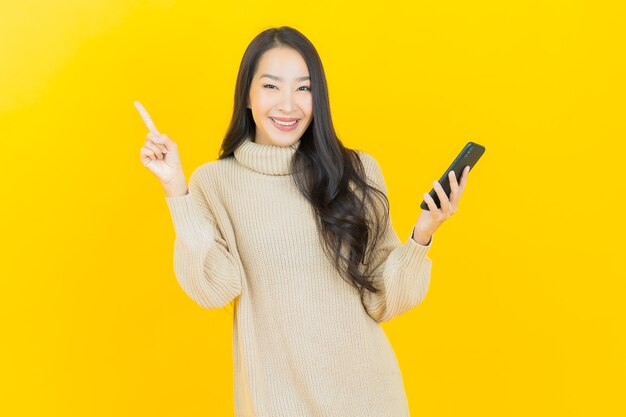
204,267
401,271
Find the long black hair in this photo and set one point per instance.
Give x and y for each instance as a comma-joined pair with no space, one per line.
330,176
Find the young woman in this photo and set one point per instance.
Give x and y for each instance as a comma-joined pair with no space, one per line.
294,229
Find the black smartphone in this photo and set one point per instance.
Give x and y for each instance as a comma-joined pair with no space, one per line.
470,154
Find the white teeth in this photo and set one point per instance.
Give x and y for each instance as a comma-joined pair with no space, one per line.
278,122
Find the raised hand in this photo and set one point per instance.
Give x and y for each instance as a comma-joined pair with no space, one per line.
430,220
160,153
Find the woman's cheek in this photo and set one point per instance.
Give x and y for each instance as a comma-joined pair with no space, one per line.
306,104
265,100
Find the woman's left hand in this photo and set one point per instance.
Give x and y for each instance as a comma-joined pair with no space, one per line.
430,220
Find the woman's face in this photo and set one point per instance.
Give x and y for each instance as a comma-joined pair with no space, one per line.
280,92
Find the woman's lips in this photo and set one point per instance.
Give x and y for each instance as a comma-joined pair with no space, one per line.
285,128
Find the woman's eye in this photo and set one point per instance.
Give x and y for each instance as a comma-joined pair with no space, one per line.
302,88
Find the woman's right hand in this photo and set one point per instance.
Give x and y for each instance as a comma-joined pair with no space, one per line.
160,155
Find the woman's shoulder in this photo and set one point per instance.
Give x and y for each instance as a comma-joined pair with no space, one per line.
209,174
212,168
371,166
367,158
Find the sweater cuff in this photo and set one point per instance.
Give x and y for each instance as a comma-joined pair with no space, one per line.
186,216
413,253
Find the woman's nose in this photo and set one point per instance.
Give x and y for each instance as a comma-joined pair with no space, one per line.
286,103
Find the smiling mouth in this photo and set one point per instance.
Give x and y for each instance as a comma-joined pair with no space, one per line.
281,123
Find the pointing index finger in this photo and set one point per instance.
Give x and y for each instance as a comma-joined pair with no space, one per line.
146,118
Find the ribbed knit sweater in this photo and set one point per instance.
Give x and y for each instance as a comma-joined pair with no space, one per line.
303,344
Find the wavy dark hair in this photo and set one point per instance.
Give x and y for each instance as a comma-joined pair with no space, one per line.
330,176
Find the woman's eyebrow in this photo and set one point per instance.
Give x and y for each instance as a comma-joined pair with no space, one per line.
274,77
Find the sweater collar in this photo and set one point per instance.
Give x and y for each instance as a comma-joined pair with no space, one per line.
265,158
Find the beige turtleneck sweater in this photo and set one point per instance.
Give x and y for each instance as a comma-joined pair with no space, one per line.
303,345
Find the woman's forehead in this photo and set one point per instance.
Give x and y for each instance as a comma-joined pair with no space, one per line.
282,63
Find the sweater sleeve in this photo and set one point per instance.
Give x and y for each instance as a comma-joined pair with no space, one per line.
401,271
203,264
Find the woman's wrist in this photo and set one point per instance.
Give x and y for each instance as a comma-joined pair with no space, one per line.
421,237
176,187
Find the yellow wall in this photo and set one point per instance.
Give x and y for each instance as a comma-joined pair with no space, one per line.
525,313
